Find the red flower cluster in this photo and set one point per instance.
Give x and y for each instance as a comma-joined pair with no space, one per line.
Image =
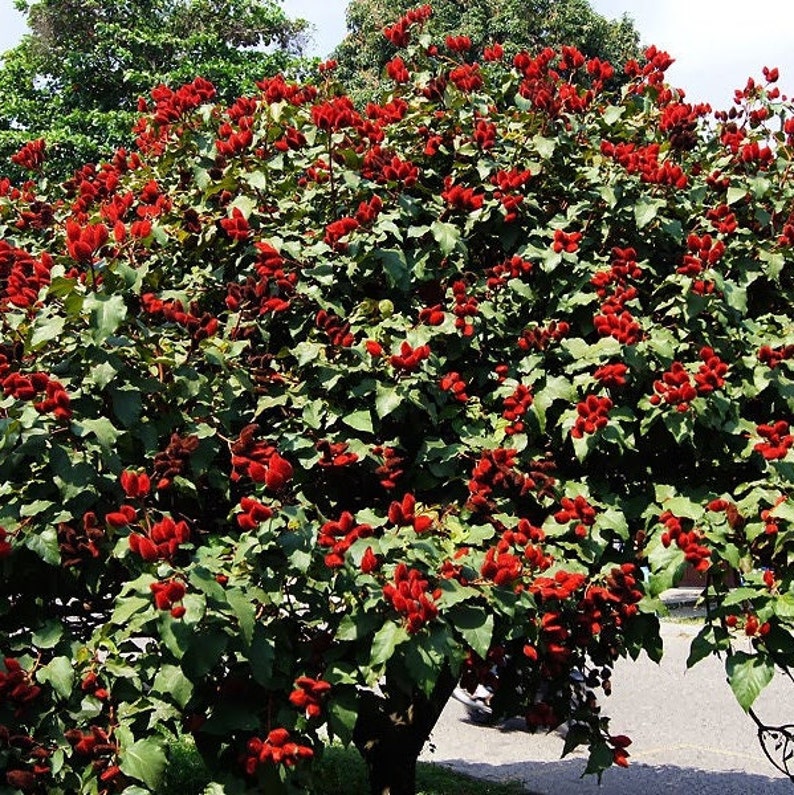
466,77
338,536
171,105
576,510
704,252
772,357
409,358
458,43
337,330
167,594
561,586
516,406
612,375
275,749
83,242
623,267
722,219
253,513
403,514
162,540
645,162
617,323
259,460
16,685
679,121
23,275
397,70
199,324
513,268
135,484
336,230
398,33
334,454
538,339
460,197
485,134
5,544
508,186
452,382
432,315
408,596
335,114
98,744
31,156
675,388
778,440
465,307
495,470
710,374
236,225
308,695
593,414
391,470
690,543
502,568
54,399
566,241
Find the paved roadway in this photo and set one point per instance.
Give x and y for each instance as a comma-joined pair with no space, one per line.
689,735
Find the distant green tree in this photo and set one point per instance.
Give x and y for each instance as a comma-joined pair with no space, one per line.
517,24
74,79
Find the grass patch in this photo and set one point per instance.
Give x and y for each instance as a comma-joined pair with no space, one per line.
341,771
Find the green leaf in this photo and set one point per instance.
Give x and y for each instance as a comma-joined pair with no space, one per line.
613,112
102,428
59,672
48,636
735,194
544,146
170,681
46,331
262,655
646,211
387,399
748,675
144,760
45,544
446,235
203,653
386,640
358,625
107,312
476,626
359,420
245,611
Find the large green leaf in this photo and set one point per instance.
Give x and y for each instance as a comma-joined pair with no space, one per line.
144,760
748,675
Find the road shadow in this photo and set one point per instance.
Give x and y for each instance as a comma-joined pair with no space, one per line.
564,778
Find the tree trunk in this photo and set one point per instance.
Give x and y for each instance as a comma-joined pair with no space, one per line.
391,730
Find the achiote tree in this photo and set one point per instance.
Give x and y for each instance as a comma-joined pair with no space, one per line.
308,414
75,79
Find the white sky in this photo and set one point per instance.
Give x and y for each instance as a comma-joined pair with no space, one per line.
717,44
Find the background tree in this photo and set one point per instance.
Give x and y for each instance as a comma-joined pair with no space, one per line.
518,24
76,77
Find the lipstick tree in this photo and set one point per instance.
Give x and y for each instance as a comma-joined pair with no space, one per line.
310,412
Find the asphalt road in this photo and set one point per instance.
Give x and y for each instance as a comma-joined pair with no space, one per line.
689,735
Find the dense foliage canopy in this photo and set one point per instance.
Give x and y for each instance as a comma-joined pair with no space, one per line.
516,24
75,79
309,413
